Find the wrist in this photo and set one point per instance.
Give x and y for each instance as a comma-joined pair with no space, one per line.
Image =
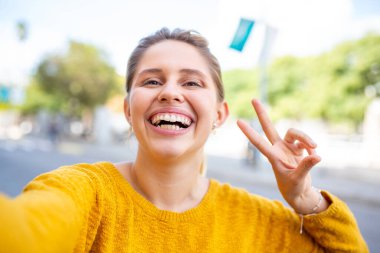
312,202
320,198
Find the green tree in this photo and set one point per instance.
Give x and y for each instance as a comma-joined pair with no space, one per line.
74,82
240,87
330,86
37,99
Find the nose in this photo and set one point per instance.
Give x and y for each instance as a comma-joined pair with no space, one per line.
171,92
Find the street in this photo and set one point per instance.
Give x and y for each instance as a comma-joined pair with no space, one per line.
21,161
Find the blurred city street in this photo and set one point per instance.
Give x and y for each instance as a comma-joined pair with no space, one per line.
24,159
314,65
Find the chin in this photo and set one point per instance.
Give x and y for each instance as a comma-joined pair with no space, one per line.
169,152
173,150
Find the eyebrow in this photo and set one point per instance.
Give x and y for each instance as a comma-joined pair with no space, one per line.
150,71
193,72
184,71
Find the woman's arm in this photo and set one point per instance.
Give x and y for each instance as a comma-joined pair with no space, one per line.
48,216
335,229
325,218
38,222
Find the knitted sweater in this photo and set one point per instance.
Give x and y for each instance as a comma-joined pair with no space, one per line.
92,208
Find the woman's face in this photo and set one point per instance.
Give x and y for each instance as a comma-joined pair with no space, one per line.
172,104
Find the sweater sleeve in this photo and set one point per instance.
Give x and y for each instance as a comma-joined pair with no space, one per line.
50,214
335,229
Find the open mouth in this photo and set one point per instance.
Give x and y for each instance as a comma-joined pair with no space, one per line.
170,121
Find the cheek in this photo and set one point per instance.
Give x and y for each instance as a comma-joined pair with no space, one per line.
206,106
139,101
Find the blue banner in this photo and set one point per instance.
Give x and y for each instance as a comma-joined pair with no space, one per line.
242,33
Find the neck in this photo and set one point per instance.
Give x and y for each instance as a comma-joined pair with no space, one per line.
170,184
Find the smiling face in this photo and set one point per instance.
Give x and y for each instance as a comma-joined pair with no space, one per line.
173,104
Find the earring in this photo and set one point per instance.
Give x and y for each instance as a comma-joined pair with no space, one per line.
214,126
130,132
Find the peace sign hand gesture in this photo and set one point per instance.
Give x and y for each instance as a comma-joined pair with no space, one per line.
289,164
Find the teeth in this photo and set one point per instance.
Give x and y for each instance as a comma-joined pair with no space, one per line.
167,117
170,118
169,127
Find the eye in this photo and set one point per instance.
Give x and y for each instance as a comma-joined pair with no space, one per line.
151,82
192,84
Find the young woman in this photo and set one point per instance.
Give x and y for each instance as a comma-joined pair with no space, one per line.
161,202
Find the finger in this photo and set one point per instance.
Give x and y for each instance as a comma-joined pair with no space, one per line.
265,122
301,145
255,138
293,135
306,165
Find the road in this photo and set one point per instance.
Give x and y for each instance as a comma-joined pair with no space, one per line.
23,160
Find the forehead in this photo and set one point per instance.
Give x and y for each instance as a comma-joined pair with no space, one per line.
174,55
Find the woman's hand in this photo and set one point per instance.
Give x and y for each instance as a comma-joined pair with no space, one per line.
291,167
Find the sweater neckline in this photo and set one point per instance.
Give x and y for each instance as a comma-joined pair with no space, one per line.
149,208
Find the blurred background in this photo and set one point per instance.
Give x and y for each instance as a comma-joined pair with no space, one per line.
315,64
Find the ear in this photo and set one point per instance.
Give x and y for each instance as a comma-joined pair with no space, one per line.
127,111
222,113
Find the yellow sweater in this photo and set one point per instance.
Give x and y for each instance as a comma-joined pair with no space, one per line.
92,208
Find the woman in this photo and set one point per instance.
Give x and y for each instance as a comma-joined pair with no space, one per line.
161,202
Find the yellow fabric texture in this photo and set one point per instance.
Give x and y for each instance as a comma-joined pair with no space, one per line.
92,208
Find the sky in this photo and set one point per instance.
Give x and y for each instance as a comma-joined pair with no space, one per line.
302,27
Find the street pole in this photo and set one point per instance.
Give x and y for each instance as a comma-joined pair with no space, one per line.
268,41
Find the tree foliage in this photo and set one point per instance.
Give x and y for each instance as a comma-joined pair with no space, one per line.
240,87
78,80
330,86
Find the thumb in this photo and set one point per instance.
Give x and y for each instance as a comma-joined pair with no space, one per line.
306,165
